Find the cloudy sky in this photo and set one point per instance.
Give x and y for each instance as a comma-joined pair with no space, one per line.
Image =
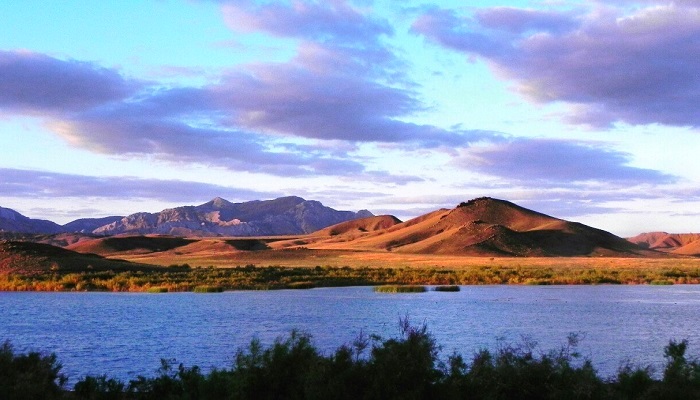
584,110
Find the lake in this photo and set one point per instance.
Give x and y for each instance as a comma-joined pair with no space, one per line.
126,334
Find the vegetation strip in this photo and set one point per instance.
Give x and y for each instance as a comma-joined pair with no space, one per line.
405,367
400,289
182,278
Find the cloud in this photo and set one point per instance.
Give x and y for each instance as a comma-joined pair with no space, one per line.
98,110
43,184
324,20
273,118
610,64
557,162
306,99
117,132
33,82
517,20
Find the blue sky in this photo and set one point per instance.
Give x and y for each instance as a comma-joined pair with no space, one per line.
582,110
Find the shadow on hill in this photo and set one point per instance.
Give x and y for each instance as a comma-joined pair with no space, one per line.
248,244
28,258
146,243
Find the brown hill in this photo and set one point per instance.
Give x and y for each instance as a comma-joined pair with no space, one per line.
115,245
57,239
690,249
28,258
676,243
362,225
128,245
486,227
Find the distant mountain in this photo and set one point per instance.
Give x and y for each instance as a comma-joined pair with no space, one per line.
480,227
87,225
219,217
676,243
12,221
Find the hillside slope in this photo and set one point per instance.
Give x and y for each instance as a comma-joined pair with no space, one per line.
28,258
486,227
676,243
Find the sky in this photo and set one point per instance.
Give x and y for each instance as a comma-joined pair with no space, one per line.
583,110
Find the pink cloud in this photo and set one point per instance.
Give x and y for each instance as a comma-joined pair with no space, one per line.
636,67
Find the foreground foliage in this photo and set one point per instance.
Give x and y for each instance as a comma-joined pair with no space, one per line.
178,278
405,367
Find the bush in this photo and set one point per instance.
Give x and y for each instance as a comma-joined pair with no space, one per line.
31,376
406,367
99,388
277,372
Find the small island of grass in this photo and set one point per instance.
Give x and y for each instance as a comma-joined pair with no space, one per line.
400,289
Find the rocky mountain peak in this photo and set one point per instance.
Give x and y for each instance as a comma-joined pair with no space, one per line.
218,202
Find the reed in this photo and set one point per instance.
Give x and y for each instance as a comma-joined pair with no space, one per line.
400,289
157,289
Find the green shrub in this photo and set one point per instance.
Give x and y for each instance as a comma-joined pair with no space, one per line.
30,376
99,388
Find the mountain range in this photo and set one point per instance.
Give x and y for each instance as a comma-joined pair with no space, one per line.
483,227
219,217
480,227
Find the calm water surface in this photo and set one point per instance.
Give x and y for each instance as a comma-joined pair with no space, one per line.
126,334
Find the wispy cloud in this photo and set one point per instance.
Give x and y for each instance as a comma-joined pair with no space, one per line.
557,162
610,64
326,20
35,83
43,184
